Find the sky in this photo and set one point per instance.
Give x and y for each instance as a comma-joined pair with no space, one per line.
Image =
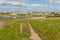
29,5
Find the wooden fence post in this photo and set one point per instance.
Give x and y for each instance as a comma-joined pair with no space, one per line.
21,28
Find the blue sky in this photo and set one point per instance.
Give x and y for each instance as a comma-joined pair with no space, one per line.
29,5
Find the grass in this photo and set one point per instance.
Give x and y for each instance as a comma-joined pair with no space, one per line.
26,28
47,29
11,31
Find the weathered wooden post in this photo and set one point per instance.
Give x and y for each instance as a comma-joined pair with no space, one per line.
21,28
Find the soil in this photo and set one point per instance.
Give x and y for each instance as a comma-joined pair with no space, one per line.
34,35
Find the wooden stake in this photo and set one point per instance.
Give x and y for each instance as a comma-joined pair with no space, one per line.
21,28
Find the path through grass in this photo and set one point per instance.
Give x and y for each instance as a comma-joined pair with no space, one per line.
47,29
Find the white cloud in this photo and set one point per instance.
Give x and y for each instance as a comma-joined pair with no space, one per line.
2,1
35,4
14,3
19,3
31,7
24,0
24,4
58,2
42,5
49,6
49,1
53,1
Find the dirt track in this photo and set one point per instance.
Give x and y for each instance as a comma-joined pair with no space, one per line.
34,36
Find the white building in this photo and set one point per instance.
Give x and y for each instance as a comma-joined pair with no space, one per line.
13,13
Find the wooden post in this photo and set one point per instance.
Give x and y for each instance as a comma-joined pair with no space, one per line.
21,28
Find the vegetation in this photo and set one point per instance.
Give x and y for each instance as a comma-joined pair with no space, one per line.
47,29
25,30
11,31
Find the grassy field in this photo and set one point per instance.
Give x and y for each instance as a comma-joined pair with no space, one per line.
11,30
47,29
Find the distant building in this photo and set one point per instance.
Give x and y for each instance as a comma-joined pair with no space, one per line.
13,13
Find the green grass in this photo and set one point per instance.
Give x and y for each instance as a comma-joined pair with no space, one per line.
11,31
47,29
26,29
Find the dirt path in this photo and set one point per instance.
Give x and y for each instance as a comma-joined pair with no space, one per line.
37,18
33,36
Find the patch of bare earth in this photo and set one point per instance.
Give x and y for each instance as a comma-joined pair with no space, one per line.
34,36
1,25
37,18
5,24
